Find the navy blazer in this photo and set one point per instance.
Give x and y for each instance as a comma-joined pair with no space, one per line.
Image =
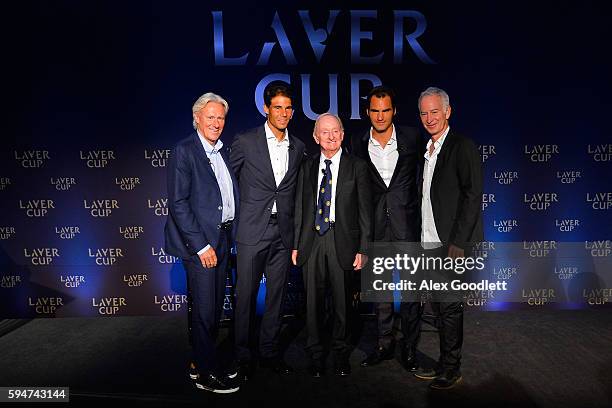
251,163
195,206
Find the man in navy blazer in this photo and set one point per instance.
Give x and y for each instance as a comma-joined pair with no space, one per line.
266,162
203,205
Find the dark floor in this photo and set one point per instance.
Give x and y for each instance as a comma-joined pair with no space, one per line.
519,358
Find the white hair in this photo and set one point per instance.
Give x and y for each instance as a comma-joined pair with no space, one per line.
206,98
433,91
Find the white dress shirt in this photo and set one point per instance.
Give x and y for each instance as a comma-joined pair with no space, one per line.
429,234
279,156
334,166
384,158
223,179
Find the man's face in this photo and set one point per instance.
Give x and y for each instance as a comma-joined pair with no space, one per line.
381,113
210,121
329,135
279,112
433,116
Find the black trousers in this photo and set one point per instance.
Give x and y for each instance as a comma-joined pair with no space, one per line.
268,257
207,289
450,314
322,273
384,310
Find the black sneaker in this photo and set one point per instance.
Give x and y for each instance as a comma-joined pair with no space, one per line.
447,380
216,385
427,373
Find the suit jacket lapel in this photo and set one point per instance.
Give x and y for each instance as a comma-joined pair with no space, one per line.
314,176
262,146
342,171
201,155
401,153
447,146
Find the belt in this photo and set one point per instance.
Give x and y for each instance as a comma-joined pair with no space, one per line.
227,225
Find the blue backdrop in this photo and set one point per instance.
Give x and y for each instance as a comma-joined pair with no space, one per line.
99,92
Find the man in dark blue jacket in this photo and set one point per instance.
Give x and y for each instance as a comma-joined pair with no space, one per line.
202,202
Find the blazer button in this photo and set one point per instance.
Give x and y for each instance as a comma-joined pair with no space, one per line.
218,226
220,208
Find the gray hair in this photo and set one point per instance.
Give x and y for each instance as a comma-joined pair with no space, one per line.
333,115
433,91
203,100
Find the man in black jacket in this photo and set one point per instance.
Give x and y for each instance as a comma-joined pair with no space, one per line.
451,223
393,155
332,230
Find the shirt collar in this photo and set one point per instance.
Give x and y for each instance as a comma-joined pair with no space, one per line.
438,143
270,135
335,158
210,149
391,141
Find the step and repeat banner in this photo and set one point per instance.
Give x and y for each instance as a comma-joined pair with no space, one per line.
100,93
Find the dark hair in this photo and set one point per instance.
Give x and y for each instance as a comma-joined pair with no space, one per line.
276,88
380,92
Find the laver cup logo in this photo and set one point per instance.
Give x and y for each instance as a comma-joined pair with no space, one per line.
599,248
45,305
7,232
170,303
568,176
504,272
478,297
566,272
538,297
4,183
487,200
32,158
486,151
539,249
135,281
63,183
9,281
159,207
540,201
100,208
505,225
157,157
36,208
597,296
97,158
600,152
131,231
41,256
108,306
127,183
164,258
541,152
72,281
105,256
567,225
483,249
599,201
67,232
505,177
